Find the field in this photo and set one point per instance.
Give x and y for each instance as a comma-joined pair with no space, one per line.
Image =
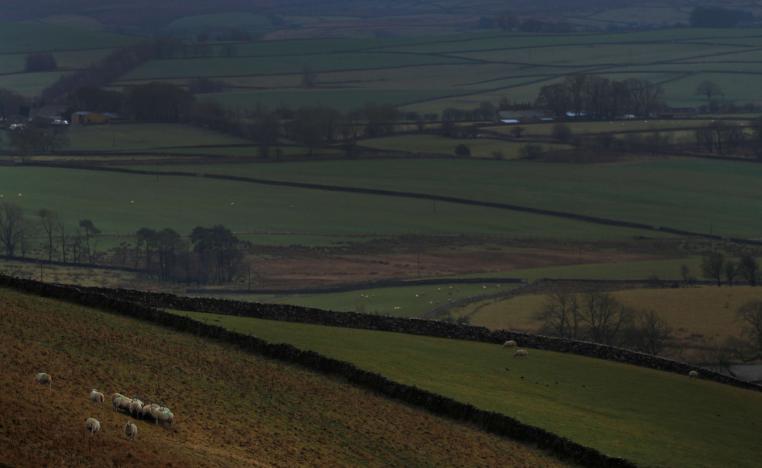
704,313
650,417
409,301
696,195
429,74
131,137
480,147
266,214
259,415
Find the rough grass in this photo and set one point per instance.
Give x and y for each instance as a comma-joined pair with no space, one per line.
231,408
705,313
653,418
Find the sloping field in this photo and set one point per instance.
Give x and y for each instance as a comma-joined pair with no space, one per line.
697,195
706,312
231,408
650,417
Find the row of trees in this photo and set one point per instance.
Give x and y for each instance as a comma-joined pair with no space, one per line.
716,267
207,255
599,317
601,98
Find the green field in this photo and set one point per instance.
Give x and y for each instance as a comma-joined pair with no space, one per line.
266,214
479,147
692,194
130,137
408,301
460,70
653,418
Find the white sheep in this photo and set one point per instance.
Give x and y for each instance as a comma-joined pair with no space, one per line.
136,407
161,413
92,425
116,396
122,403
510,344
520,353
43,378
130,430
148,410
693,374
96,396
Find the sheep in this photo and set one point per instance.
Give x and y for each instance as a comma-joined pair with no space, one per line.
510,344
136,407
161,413
693,374
92,425
96,396
130,430
116,396
122,403
147,410
43,378
520,353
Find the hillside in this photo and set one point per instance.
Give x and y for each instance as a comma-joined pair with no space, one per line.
231,408
619,409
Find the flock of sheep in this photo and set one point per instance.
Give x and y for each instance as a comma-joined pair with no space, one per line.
132,406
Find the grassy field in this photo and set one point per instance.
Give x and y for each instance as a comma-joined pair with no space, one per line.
463,69
479,147
259,415
698,195
265,214
127,137
582,128
409,301
705,313
650,417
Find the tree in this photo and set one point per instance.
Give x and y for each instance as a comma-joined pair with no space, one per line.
462,151
748,268
90,231
710,90
731,272
146,238
159,102
531,151
48,222
41,62
169,244
604,316
751,315
13,228
685,274
220,253
649,332
712,266
11,104
561,315
517,132
32,138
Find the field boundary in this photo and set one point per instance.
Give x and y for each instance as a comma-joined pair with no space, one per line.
411,326
492,422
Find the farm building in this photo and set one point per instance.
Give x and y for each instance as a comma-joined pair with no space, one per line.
523,116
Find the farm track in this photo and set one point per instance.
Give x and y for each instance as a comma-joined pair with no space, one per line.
414,195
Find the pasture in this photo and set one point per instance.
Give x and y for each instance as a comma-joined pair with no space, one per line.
123,203
692,194
651,417
258,416
434,144
705,313
138,136
461,70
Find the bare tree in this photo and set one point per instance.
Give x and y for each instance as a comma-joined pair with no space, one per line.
731,272
561,315
605,316
710,90
649,333
748,268
12,228
48,222
90,231
751,315
711,266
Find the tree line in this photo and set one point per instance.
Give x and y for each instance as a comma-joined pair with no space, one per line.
206,255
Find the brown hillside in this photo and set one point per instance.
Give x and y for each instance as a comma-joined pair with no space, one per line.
231,408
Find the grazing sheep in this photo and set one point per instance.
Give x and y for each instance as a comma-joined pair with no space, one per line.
510,344
122,403
148,410
520,353
165,416
44,379
115,396
130,430
136,407
693,374
96,396
92,425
